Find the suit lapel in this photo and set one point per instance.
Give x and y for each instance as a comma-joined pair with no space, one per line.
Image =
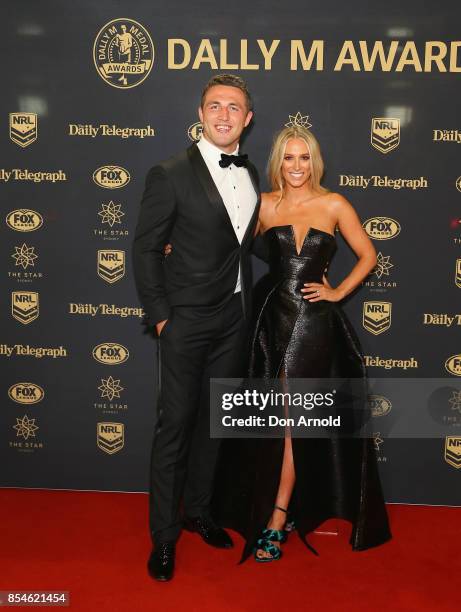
203,174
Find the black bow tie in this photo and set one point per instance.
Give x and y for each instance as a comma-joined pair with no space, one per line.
237,160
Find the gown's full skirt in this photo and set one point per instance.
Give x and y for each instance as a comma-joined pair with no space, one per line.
336,477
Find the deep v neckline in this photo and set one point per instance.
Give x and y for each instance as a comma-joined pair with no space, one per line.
293,235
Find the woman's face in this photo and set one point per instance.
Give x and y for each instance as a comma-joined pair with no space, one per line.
296,164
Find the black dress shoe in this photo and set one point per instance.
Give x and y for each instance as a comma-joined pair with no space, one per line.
161,561
209,531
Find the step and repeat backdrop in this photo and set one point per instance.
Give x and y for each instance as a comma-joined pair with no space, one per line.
95,94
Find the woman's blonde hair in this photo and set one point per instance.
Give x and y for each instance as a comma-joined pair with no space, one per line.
274,166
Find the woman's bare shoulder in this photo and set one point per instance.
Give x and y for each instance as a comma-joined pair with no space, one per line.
270,198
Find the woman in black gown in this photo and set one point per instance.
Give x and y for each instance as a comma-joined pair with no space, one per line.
301,332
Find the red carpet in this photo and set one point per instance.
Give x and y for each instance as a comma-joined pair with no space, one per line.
95,545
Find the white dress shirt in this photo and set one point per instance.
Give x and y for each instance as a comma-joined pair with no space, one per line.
235,188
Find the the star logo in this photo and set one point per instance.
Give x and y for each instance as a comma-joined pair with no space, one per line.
455,401
24,256
110,388
299,120
383,265
25,427
377,440
111,213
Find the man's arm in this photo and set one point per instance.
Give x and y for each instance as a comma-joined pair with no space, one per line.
155,221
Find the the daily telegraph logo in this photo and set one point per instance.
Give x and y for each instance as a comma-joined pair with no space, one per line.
382,228
446,136
458,273
111,177
24,220
110,437
23,128
25,306
377,316
110,353
195,131
111,265
26,393
385,134
123,53
453,451
379,405
453,365
104,129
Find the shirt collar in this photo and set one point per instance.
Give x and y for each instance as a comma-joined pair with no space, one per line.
211,152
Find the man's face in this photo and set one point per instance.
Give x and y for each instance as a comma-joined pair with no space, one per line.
224,116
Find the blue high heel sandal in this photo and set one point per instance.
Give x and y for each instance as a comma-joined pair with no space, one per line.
265,542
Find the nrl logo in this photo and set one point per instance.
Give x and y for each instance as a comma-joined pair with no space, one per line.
111,177
111,265
26,393
377,316
195,131
24,306
385,134
453,451
110,437
23,128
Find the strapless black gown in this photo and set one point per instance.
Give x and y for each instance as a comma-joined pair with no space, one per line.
335,477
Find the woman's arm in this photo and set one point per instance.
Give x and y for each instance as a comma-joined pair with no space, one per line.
351,228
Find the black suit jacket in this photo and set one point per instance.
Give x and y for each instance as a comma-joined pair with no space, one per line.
182,205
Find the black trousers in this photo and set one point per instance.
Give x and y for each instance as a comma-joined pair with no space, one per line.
196,344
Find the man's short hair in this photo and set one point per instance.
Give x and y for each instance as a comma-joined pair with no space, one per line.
230,80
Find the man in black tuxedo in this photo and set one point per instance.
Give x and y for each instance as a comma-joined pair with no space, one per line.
205,201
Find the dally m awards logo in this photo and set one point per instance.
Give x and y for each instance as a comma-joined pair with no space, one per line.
110,353
24,306
377,317
453,365
379,405
24,220
453,451
123,53
110,437
26,393
111,265
458,273
381,228
385,134
23,128
111,177
195,131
